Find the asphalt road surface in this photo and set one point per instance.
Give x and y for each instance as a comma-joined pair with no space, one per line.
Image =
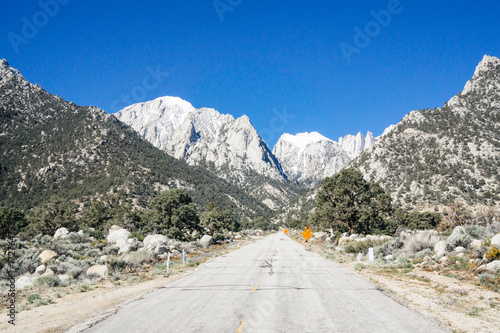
272,285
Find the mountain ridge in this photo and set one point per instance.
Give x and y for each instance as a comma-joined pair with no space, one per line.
433,157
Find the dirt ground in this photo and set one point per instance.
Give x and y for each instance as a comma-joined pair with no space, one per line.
454,300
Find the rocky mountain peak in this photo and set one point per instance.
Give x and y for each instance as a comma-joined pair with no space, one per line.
7,73
485,78
310,157
488,63
202,136
353,145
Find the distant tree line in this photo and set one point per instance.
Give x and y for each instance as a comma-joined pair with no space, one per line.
172,213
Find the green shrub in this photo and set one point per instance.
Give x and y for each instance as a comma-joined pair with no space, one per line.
140,237
362,246
117,264
136,259
458,263
419,241
422,254
359,266
488,280
43,301
403,262
389,247
33,297
49,281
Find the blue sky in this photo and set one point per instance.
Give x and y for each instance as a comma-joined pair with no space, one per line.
282,63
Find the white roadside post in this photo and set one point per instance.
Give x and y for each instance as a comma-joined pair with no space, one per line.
360,255
371,255
184,256
168,263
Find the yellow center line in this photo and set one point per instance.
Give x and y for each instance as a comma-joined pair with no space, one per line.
240,328
254,288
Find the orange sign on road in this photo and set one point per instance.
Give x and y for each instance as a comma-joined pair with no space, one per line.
307,233
286,231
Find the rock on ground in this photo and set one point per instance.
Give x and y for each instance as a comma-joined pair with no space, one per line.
440,247
115,233
100,271
25,282
152,241
495,241
206,240
65,278
48,272
40,270
47,256
477,244
61,233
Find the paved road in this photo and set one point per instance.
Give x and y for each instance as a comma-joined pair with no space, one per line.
272,285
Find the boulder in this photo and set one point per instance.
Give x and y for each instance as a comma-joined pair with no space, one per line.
344,240
61,233
477,245
460,249
329,240
385,238
461,255
176,253
152,241
443,259
116,233
238,237
100,271
206,240
65,278
440,254
40,270
440,247
258,232
321,235
25,282
494,266
161,249
104,257
48,272
125,248
47,256
495,241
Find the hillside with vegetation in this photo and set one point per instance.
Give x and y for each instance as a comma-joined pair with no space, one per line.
433,157
54,150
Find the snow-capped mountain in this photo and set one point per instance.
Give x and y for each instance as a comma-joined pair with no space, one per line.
309,157
354,145
433,157
202,137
